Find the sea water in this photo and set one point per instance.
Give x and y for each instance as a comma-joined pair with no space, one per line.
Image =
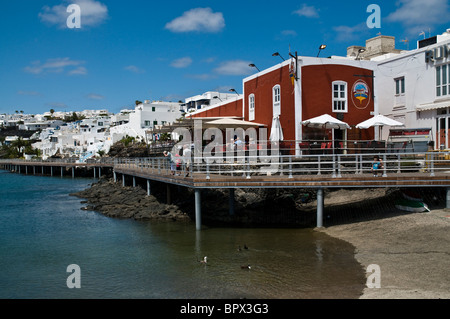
43,230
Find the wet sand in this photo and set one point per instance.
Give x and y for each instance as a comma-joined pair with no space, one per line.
412,250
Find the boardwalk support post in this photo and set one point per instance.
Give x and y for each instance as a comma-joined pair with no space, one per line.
198,209
73,172
448,198
231,202
169,195
320,201
123,180
148,188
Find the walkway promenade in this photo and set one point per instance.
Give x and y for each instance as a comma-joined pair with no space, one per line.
312,171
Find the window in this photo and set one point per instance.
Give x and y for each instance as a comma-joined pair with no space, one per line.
155,123
153,109
400,98
251,107
443,80
276,100
339,96
400,86
147,123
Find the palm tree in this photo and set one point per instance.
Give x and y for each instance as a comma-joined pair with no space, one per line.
52,111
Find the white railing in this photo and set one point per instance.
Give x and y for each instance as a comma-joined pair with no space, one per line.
288,165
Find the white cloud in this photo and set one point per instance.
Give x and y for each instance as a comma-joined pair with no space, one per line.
235,67
209,60
181,63
307,11
134,69
289,33
94,96
346,33
29,93
78,71
57,65
198,19
419,15
93,13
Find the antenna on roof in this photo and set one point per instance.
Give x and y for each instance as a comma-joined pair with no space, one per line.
424,35
407,43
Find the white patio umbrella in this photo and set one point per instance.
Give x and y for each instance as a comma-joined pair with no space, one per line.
231,123
326,122
276,134
380,121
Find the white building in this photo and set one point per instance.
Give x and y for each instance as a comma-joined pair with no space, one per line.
205,100
414,87
146,116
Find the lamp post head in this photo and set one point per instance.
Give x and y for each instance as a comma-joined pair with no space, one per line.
253,66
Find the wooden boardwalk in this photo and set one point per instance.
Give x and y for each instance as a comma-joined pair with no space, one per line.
291,175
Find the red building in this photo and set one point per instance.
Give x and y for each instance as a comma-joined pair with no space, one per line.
342,88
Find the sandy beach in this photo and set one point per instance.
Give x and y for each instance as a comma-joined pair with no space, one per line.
412,250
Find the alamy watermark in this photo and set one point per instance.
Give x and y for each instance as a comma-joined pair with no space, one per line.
374,19
74,279
374,279
242,146
74,19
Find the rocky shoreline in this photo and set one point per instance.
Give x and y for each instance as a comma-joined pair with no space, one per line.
253,207
113,200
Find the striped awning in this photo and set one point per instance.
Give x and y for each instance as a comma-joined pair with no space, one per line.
432,106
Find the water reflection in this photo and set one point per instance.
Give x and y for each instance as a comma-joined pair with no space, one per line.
285,263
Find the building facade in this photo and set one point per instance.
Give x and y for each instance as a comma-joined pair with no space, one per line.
415,88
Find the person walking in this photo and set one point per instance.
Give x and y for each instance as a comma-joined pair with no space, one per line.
376,165
171,161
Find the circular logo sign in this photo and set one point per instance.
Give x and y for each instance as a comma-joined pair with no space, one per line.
360,94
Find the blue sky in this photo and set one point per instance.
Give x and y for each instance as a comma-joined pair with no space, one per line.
137,50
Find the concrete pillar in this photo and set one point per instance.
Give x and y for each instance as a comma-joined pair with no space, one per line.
169,195
99,172
448,198
134,181
73,172
320,201
34,170
42,170
62,171
148,188
51,171
95,172
231,201
115,176
19,169
123,180
198,210
26,170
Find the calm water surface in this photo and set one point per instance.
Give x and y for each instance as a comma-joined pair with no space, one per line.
43,230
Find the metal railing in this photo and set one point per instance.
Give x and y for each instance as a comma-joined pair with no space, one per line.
337,166
247,166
